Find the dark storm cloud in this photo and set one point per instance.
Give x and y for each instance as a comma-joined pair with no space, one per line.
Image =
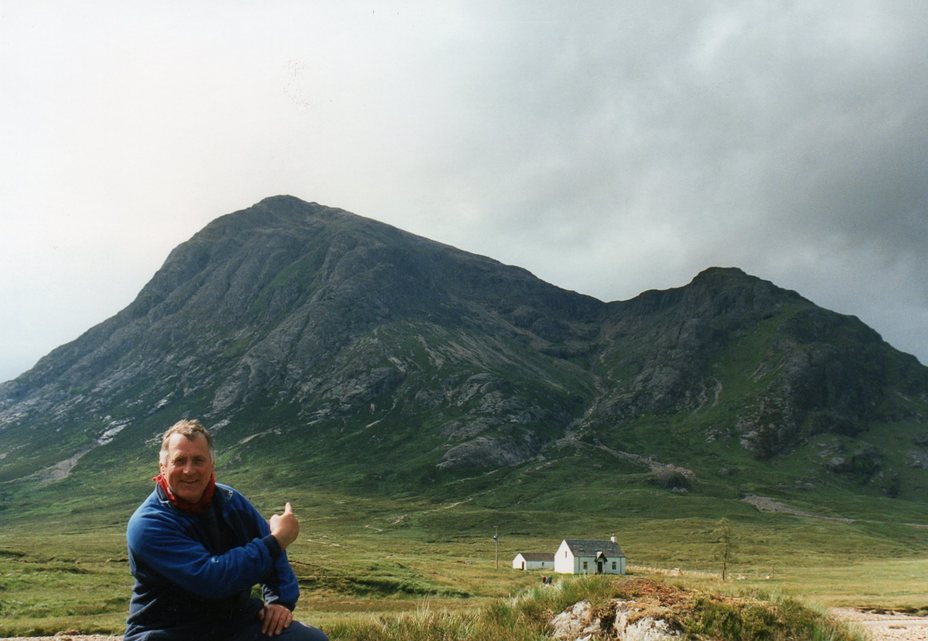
786,138
610,147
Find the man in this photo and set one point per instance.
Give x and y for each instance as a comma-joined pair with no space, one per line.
196,548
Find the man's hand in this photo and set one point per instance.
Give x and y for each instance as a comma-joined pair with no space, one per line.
274,618
285,527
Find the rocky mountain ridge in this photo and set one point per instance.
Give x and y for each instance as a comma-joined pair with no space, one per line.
335,333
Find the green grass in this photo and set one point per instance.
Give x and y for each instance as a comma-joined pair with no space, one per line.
53,582
361,559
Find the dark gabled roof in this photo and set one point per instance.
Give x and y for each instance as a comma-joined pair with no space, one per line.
537,556
591,547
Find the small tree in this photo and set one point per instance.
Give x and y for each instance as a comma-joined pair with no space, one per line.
725,546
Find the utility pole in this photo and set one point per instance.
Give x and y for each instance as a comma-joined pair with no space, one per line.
496,541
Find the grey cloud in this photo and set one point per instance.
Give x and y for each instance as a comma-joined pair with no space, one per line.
785,138
609,147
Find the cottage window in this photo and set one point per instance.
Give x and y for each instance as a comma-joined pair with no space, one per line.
584,565
613,565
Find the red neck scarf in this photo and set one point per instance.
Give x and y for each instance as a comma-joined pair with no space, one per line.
183,505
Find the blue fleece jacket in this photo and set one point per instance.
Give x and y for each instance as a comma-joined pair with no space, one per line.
194,572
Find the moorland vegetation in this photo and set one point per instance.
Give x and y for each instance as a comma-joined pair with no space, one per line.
410,399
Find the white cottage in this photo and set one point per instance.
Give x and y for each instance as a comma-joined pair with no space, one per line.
533,561
584,556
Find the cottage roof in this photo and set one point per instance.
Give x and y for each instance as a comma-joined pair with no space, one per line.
537,556
593,547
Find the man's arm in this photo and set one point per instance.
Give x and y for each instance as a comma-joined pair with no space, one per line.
281,586
162,546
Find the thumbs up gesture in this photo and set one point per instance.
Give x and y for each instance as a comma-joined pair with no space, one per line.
285,527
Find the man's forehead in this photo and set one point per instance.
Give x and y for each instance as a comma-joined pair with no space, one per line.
179,443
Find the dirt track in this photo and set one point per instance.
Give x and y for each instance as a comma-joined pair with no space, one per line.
887,627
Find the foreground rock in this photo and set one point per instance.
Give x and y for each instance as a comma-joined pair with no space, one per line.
622,620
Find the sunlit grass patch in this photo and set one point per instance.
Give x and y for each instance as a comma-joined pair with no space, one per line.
527,617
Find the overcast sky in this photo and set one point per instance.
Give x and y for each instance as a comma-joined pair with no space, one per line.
608,147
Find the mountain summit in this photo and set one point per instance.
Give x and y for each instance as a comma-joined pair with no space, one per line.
308,331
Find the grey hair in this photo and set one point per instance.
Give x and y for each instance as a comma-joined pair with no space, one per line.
189,428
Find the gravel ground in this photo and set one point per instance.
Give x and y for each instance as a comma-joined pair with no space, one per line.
65,637
887,627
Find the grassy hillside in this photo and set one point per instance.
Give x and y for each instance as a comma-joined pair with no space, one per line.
375,553
385,535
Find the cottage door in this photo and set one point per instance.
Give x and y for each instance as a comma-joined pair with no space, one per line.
599,567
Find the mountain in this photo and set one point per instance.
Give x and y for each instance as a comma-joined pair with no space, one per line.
317,342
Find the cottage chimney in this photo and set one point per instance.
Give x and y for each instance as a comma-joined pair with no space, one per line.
612,538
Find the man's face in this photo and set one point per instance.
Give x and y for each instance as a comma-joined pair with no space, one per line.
188,467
